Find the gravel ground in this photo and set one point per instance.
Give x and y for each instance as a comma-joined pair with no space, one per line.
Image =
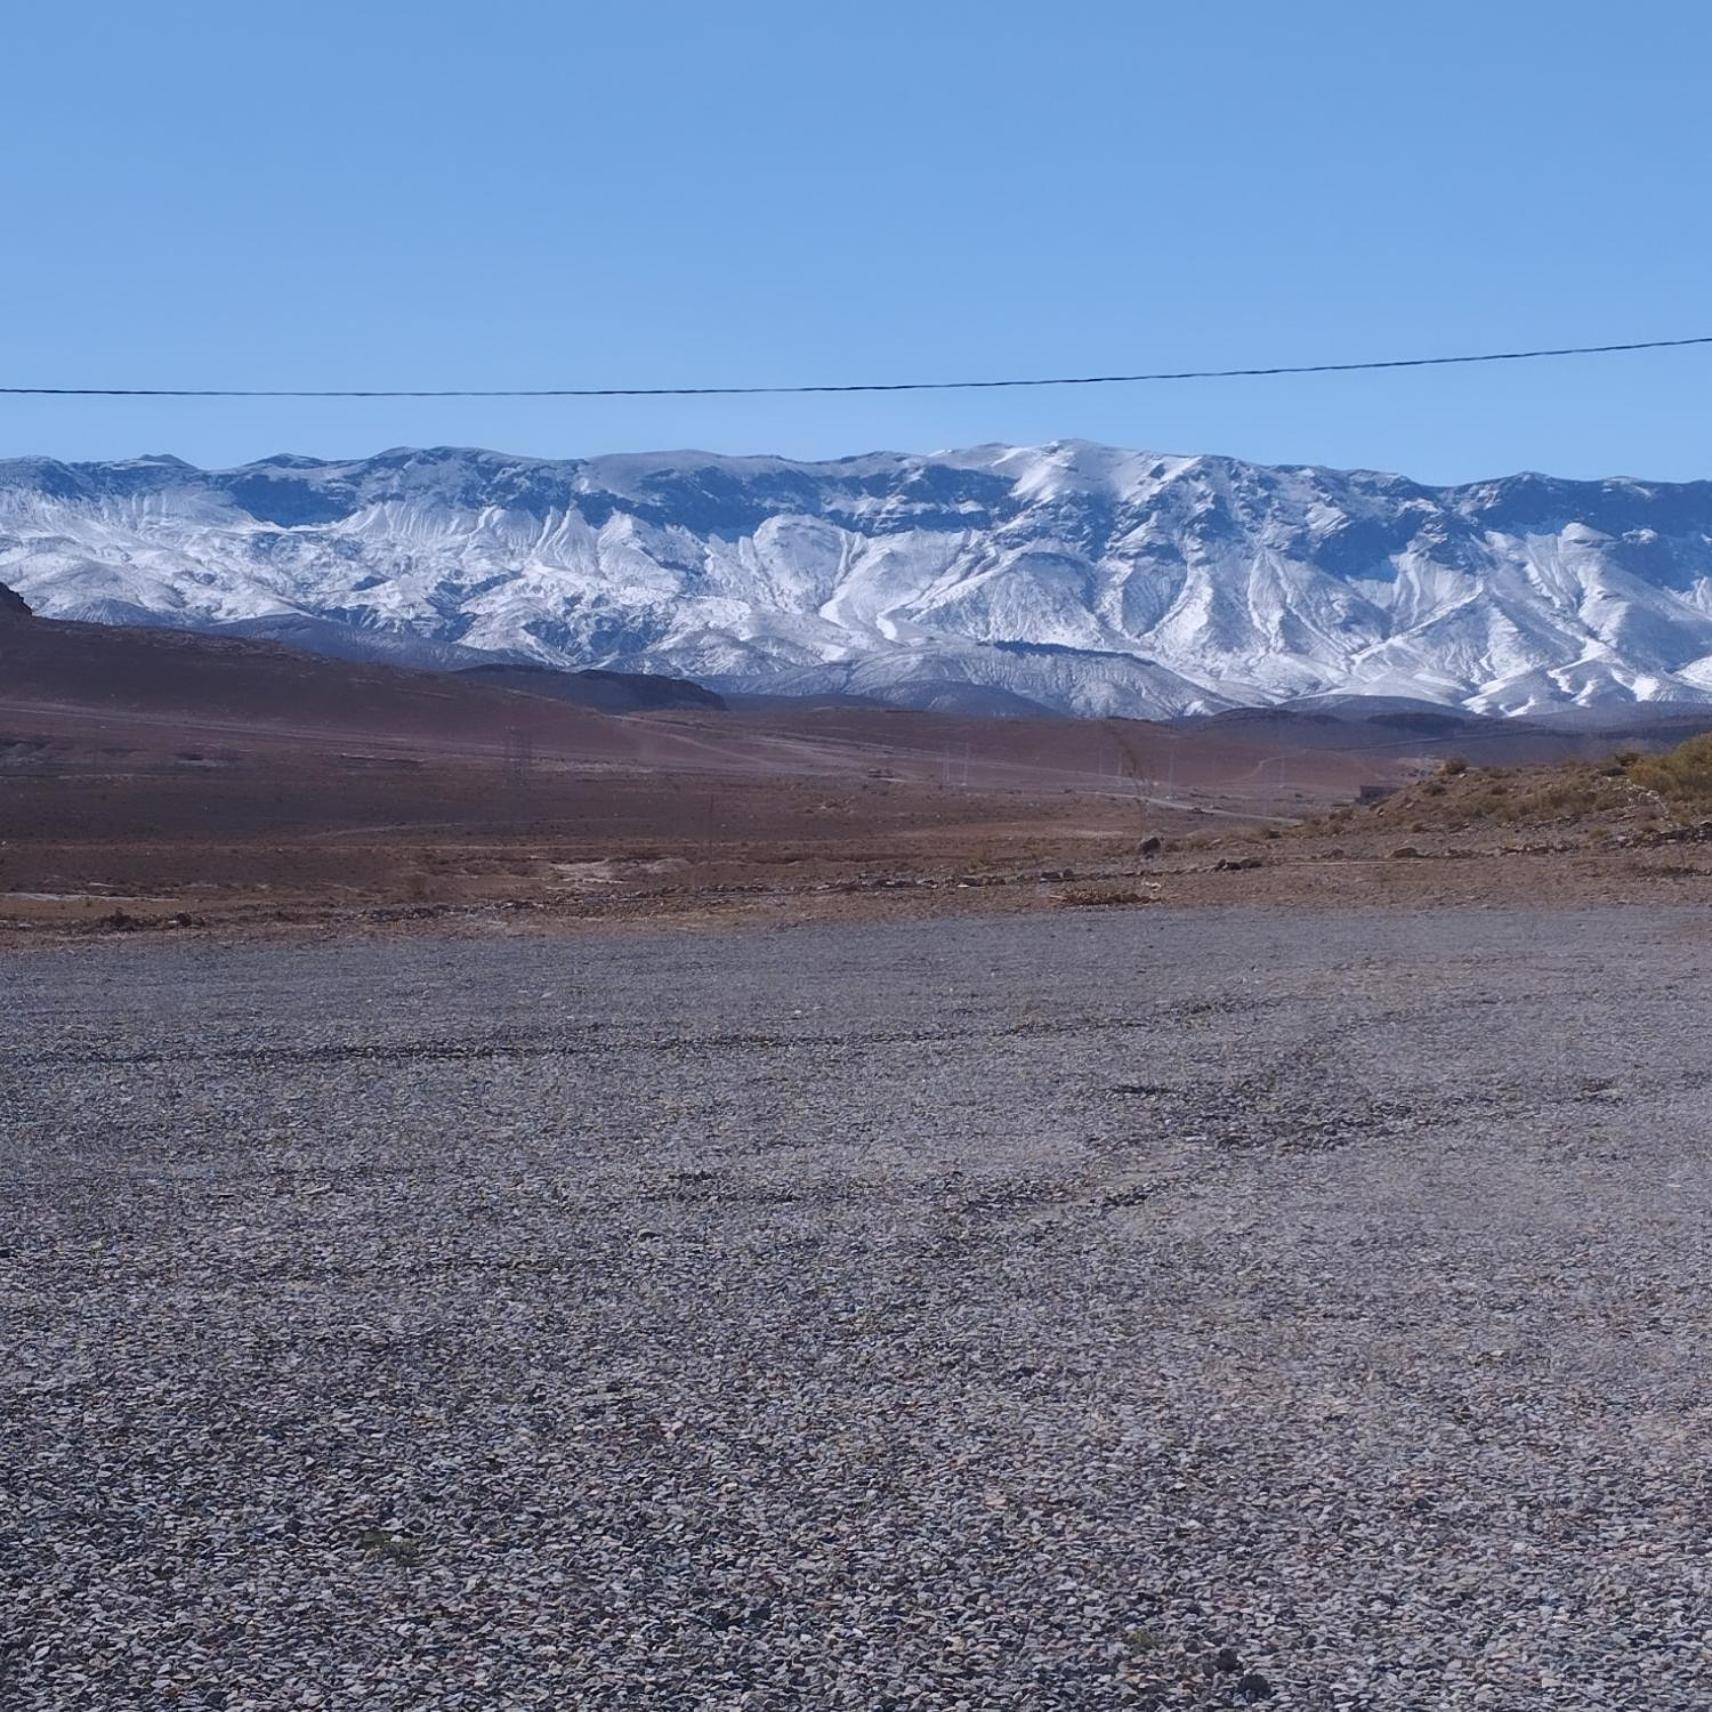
1128,1308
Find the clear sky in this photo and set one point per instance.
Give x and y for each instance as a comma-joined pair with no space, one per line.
517,194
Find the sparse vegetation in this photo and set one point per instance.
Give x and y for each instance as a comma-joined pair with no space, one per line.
1626,790
1681,776
1107,896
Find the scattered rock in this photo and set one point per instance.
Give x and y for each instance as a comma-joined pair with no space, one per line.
1697,832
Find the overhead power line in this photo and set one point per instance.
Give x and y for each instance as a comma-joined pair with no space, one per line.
841,386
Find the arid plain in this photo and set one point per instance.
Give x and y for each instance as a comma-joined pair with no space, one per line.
157,780
511,1205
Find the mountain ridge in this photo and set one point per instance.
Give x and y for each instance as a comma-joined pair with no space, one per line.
1083,578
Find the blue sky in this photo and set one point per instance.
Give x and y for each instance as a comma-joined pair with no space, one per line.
559,194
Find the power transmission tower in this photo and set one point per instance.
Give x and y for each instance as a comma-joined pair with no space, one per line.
519,759
1129,767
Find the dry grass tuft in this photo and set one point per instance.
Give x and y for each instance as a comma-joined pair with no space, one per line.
1681,776
1117,896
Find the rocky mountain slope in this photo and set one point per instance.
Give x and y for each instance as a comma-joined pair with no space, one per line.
1071,576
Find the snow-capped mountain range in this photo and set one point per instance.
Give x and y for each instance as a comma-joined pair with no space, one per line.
1074,576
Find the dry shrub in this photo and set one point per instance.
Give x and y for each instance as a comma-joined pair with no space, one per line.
1107,896
1682,776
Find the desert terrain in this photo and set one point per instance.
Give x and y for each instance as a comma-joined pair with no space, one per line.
506,1204
856,859
157,780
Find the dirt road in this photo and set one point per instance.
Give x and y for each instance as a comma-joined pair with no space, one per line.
1124,1308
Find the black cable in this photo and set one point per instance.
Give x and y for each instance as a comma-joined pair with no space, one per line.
856,386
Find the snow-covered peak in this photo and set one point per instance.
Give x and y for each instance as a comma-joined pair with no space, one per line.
1079,576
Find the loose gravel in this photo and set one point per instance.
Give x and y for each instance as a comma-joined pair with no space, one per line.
1134,1309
